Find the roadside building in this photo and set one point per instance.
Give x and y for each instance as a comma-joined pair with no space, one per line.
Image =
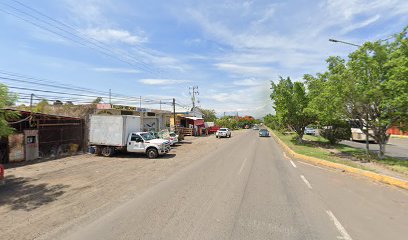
189,123
151,119
396,131
41,135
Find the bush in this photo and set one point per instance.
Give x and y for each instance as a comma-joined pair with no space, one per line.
334,134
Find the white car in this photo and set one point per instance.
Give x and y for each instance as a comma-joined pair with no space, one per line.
223,132
173,138
310,131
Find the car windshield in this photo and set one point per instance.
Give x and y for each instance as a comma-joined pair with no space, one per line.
263,130
146,136
223,129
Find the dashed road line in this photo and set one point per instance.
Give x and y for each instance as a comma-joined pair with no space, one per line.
286,156
293,164
339,227
242,166
308,164
305,180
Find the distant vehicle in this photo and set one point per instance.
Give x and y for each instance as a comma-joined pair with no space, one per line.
223,132
310,131
122,133
255,128
1,174
263,133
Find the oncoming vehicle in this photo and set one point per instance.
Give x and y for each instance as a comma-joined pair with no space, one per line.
263,133
223,132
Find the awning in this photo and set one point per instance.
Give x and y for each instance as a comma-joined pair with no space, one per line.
199,122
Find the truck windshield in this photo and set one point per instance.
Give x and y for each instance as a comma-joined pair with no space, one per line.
146,136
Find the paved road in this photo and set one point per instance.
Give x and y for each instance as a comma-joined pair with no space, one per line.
396,147
249,190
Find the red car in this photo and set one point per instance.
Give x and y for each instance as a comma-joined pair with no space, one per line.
1,174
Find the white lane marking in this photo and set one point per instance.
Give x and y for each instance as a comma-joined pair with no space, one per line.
242,166
286,156
338,225
314,166
293,164
307,182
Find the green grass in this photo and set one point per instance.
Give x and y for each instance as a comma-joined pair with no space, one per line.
316,147
320,148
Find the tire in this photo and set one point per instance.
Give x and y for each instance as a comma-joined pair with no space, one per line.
108,151
152,153
98,151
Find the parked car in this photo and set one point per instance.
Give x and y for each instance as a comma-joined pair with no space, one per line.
174,138
263,133
1,174
223,132
255,128
310,131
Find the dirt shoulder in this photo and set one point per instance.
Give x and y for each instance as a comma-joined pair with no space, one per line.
48,196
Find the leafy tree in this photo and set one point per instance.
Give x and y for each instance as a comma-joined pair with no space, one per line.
290,104
57,103
209,115
272,122
246,121
228,122
97,100
328,88
40,107
372,100
397,85
6,100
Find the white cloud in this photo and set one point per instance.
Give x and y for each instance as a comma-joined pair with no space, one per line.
244,69
362,24
247,82
116,70
109,35
158,81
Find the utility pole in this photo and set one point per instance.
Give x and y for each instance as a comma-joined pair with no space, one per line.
31,102
140,102
193,93
110,96
160,105
174,113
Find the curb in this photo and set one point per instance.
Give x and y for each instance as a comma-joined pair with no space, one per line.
398,136
316,161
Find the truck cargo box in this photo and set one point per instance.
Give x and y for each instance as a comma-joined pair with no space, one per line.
112,130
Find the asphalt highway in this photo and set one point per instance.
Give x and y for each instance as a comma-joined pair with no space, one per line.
249,189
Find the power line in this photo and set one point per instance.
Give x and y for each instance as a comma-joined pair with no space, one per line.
74,29
76,89
106,50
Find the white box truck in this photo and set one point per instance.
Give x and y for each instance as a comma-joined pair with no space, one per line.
110,133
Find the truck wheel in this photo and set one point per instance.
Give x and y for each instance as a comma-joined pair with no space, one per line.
108,151
98,151
152,153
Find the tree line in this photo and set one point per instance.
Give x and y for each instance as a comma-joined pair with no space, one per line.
369,87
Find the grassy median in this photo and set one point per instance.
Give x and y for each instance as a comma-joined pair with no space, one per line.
320,148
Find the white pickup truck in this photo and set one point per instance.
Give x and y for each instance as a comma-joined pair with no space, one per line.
223,132
110,133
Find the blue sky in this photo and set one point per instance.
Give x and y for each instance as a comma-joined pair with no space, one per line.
231,50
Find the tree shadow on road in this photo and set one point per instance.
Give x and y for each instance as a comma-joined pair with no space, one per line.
22,194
